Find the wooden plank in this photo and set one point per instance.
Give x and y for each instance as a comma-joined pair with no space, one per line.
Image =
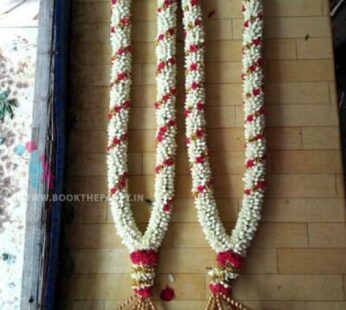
34,234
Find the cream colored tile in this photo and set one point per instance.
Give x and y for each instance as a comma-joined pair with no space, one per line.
327,235
85,54
185,211
90,13
89,212
281,235
188,235
284,138
297,93
312,261
297,27
223,51
91,33
290,287
304,210
301,186
88,141
293,8
280,49
227,72
301,70
101,261
323,138
218,29
144,31
100,287
89,97
224,94
315,48
222,9
92,236
95,185
340,185
220,117
306,162
302,115
260,261
144,10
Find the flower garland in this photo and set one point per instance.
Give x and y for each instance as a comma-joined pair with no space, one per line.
142,247
232,248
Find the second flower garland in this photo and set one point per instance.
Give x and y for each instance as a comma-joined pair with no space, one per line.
230,248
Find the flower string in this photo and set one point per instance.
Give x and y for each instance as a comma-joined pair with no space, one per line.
143,247
230,248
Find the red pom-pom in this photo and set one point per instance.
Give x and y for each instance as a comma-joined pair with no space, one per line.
256,91
193,67
247,192
194,85
199,133
167,294
249,118
219,289
229,257
144,257
200,106
193,48
250,163
166,207
200,188
261,185
199,159
143,292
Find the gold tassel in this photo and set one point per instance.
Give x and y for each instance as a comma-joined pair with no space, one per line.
137,303
221,302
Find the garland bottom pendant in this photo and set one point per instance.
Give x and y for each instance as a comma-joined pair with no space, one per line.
227,270
143,275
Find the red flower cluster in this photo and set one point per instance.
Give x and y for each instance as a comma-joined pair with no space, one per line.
164,129
116,141
167,294
143,292
121,184
125,21
166,163
165,5
199,159
144,257
247,191
219,289
121,76
123,50
193,48
165,98
229,257
116,109
163,64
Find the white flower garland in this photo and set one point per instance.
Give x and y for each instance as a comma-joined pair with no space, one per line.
142,247
230,248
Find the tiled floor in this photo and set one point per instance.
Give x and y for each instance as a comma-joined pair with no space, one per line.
297,260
